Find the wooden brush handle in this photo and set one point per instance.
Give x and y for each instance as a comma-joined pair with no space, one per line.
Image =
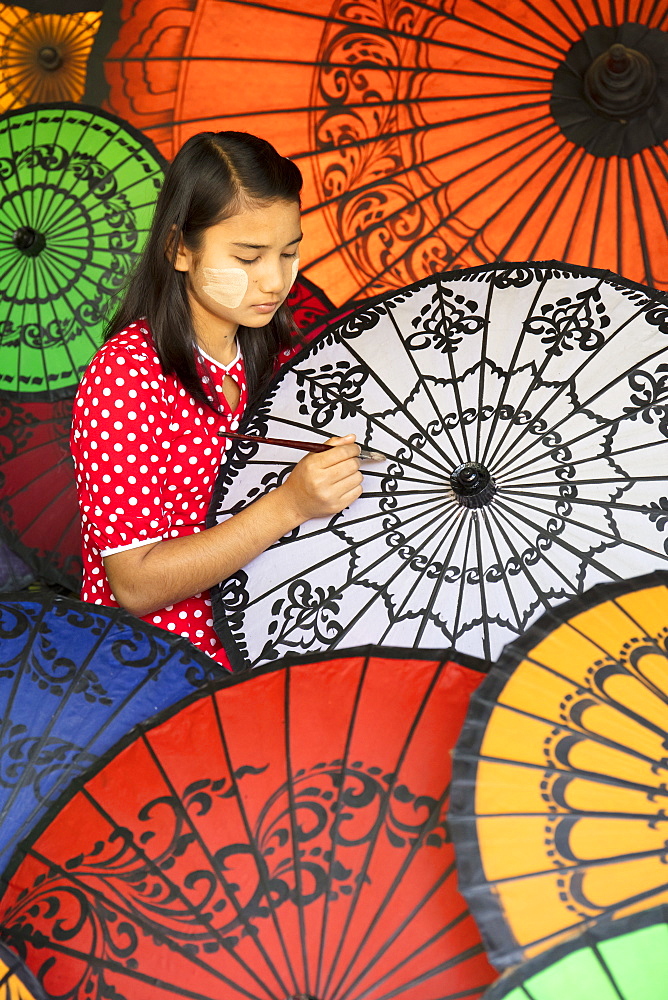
314,446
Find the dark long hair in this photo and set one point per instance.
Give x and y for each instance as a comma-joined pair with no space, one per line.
212,177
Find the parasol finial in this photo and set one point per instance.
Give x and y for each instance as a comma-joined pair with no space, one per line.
49,58
28,241
621,82
472,485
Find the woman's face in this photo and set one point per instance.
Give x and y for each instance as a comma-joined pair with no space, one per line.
245,268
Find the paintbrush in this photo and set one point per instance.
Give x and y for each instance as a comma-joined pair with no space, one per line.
366,454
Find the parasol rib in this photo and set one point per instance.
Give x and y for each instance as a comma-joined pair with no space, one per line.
445,563
453,213
484,456
382,813
225,885
358,578
250,839
458,525
205,919
539,592
423,384
608,423
372,418
385,31
319,971
490,515
354,546
557,539
564,386
120,967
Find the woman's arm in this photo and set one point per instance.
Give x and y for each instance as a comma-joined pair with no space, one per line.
149,577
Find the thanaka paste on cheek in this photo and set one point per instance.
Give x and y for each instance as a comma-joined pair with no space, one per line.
226,286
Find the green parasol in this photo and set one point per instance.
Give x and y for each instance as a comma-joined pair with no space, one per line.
624,959
77,191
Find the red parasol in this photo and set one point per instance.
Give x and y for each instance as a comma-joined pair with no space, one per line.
284,835
309,305
39,516
430,135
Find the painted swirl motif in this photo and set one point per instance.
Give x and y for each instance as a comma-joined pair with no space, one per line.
79,187
33,648
388,207
570,835
455,133
567,751
42,762
555,387
16,425
328,808
102,204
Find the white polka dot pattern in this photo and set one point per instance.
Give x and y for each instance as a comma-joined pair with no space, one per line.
146,458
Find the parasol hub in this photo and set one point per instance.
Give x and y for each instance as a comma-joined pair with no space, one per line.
472,485
621,82
49,58
28,241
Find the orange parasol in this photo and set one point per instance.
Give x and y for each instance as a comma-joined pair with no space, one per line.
43,56
431,135
558,810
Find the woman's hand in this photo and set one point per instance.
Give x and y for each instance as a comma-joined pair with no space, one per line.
324,483
149,577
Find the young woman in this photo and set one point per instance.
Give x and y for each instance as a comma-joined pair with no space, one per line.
200,331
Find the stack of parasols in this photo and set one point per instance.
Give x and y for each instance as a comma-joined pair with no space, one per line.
440,767
442,753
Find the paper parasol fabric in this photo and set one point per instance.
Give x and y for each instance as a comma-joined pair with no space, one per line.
75,678
14,573
624,959
77,191
558,810
39,515
43,56
282,836
523,410
430,135
16,982
308,303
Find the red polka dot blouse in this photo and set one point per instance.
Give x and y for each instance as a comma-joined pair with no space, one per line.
146,458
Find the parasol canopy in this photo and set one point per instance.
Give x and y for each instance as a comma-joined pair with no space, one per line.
75,678
14,573
282,836
622,959
309,305
77,190
16,982
430,135
44,55
522,410
39,515
558,810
